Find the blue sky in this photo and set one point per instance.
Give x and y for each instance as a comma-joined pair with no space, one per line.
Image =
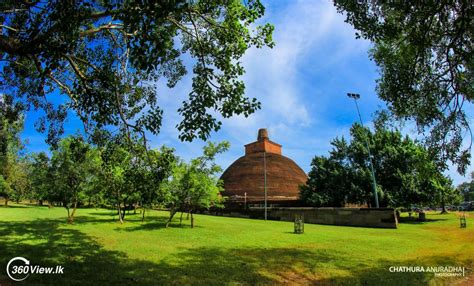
302,84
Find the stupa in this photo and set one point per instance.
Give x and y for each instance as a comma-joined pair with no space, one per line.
263,166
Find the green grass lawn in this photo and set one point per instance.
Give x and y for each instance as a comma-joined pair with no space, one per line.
219,250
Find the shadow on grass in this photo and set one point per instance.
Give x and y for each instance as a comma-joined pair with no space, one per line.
86,262
155,223
92,220
12,206
414,220
111,213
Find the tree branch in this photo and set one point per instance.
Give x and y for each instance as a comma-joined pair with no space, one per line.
95,30
180,26
75,67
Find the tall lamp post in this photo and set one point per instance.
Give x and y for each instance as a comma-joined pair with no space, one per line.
356,96
265,182
245,201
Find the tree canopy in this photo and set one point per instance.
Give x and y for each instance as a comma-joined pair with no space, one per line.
118,175
40,177
467,189
101,60
404,171
130,176
194,186
424,54
73,164
11,124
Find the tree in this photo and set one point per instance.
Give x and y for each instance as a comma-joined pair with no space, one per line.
424,54
404,171
73,164
40,177
115,161
19,179
15,183
195,186
5,190
11,124
132,175
445,193
467,189
329,178
148,180
101,55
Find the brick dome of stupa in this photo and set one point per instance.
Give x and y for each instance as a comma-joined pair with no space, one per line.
246,176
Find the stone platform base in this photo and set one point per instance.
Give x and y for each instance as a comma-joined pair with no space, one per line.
361,217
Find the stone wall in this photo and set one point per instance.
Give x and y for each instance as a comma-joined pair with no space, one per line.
361,217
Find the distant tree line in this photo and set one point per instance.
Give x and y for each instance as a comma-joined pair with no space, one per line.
79,174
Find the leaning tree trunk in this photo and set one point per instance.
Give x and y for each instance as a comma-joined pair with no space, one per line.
70,216
119,212
172,213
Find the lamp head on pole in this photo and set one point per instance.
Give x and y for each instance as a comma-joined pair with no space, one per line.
353,95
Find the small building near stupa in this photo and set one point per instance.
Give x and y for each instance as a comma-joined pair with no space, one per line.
263,167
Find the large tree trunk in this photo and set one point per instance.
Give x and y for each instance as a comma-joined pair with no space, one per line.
40,202
192,220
